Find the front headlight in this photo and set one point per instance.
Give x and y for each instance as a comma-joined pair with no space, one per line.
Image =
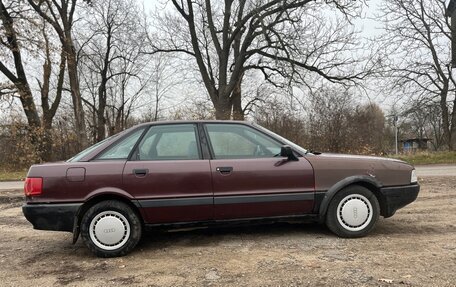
413,177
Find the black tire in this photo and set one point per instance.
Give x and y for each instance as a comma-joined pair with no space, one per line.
116,223
360,208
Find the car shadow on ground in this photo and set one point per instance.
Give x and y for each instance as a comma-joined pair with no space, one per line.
216,235
280,233
157,238
204,236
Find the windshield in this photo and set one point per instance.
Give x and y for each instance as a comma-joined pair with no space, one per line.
290,143
89,149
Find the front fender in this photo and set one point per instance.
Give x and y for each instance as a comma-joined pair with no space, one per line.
342,184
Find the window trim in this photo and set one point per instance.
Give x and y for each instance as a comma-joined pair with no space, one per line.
204,141
98,155
210,147
197,138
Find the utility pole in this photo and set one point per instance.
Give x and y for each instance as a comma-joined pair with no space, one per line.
395,118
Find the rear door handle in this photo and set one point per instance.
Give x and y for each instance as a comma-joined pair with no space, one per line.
224,169
141,172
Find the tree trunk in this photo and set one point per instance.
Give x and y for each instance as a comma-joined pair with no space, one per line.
101,123
223,108
26,97
236,101
80,124
453,124
101,120
46,140
49,111
445,118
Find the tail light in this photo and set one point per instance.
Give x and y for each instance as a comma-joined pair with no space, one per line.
33,186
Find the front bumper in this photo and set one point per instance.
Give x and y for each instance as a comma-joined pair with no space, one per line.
396,197
57,217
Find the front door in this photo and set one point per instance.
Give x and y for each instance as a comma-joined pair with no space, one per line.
168,176
251,180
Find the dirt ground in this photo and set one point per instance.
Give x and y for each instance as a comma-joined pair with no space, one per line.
416,247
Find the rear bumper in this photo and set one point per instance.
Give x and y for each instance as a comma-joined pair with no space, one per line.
396,197
57,217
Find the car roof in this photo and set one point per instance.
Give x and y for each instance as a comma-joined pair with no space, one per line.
194,121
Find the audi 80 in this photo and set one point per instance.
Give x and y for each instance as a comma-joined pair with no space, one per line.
198,173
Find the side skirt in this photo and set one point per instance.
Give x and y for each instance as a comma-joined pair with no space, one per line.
234,222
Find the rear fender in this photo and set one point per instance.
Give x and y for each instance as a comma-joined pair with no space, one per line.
105,192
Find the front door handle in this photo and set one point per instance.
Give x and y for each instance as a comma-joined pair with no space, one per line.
140,172
224,169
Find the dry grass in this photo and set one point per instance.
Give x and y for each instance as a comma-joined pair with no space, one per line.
441,157
7,175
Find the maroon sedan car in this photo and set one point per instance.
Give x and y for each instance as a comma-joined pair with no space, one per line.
187,173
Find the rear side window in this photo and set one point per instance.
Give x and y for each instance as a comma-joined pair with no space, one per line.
89,149
169,142
122,148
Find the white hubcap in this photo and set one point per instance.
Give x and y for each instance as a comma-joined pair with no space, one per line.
109,230
354,212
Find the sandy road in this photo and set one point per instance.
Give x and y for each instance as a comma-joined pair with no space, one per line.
436,170
8,185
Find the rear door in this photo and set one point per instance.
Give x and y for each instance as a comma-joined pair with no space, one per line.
168,176
249,177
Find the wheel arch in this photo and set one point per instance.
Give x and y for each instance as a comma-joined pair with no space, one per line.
363,180
99,197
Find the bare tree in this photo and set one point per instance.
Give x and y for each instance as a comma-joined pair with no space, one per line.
50,109
425,121
61,17
328,115
128,88
329,120
366,130
275,114
416,53
39,129
109,50
230,38
163,81
17,75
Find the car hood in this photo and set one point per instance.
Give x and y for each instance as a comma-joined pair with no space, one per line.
359,157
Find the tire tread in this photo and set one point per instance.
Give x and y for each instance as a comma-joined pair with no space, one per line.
128,212
331,216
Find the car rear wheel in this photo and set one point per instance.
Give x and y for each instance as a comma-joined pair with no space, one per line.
111,228
353,212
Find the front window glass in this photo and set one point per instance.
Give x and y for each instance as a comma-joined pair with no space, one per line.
239,141
290,143
169,142
122,149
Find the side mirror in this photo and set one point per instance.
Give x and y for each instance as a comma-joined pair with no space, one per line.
286,151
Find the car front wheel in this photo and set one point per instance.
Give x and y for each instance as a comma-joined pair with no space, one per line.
353,212
111,228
